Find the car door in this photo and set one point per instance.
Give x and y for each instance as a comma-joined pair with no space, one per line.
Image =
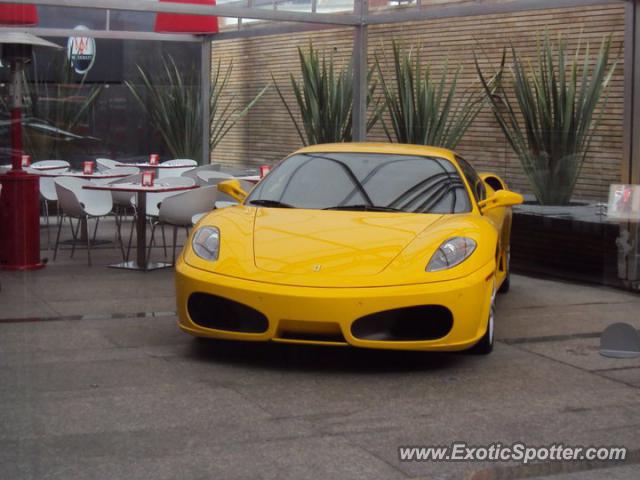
480,191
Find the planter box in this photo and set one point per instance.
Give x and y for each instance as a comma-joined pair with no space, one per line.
576,242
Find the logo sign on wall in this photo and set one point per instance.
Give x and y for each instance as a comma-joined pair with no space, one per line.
81,52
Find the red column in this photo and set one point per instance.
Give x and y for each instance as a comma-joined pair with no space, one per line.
16,138
19,222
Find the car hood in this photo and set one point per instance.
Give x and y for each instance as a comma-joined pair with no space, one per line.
332,243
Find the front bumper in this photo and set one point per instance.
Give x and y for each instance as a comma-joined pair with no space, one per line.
314,311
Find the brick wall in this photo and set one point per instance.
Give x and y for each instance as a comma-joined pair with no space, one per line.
267,133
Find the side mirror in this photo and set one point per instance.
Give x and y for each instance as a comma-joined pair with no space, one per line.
502,198
233,189
494,181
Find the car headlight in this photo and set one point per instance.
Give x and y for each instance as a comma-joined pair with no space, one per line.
206,243
452,252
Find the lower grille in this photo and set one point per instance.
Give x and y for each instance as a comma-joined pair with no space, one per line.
321,332
425,322
211,311
313,337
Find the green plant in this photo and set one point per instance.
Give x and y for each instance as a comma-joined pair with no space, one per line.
551,123
324,98
174,107
223,114
422,109
52,111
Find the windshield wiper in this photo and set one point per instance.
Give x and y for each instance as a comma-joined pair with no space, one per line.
365,208
264,202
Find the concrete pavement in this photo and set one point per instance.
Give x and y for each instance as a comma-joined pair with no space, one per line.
97,382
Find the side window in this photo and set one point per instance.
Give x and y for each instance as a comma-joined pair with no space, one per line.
474,180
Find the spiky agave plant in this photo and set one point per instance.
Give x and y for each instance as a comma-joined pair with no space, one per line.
552,120
423,109
223,110
324,98
174,107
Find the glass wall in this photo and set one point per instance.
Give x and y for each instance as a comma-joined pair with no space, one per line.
79,116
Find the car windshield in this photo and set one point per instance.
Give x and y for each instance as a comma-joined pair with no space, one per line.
364,181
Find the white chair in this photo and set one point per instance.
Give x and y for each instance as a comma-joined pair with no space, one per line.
48,195
124,171
179,210
210,177
106,164
122,201
187,163
53,166
193,173
153,205
241,172
82,205
198,216
155,199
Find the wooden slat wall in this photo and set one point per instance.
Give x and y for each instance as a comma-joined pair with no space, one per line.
267,133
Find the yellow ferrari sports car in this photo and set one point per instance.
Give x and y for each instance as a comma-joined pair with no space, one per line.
370,245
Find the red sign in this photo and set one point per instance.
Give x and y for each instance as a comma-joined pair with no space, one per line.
173,22
87,168
154,159
80,44
26,160
147,179
264,169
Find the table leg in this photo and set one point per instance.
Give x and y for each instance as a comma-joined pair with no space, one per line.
141,262
84,233
141,230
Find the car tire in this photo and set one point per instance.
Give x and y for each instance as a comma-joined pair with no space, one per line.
485,345
506,283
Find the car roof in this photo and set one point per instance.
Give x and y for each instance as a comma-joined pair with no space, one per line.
389,148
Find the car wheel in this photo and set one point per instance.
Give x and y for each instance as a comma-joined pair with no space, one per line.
506,284
485,345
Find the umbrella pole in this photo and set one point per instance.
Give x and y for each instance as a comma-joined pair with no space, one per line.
16,115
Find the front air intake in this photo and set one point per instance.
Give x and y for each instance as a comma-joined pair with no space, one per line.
410,324
211,311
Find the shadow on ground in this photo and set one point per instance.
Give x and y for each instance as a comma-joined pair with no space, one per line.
310,358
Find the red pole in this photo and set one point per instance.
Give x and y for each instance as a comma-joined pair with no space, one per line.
16,139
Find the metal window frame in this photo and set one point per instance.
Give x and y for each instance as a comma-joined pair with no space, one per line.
411,13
